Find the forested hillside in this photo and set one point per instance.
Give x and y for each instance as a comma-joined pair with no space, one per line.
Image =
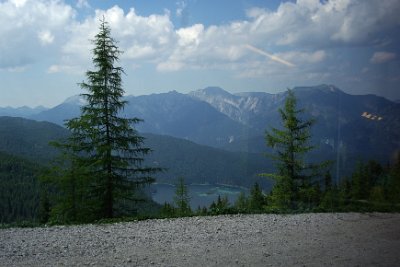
198,164
29,139
203,164
19,189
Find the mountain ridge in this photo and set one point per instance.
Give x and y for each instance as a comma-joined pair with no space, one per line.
23,111
348,127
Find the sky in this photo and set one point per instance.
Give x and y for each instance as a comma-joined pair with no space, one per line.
184,45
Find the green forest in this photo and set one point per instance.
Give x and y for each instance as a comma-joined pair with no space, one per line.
19,191
98,172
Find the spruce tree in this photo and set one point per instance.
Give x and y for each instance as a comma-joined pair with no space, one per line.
256,199
291,144
221,206
242,203
104,148
182,198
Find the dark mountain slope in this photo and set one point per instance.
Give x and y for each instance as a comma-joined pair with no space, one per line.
203,164
28,138
197,163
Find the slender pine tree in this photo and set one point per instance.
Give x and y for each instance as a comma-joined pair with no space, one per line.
103,146
256,198
291,144
182,198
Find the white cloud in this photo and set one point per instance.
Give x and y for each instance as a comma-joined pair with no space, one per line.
303,33
65,69
145,38
45,37
318,24
190,36
54,69
18,3
305,57
82,4
140,52
305,29
181,5
382,57
27,26
170,66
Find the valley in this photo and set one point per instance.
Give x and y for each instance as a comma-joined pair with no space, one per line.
212,137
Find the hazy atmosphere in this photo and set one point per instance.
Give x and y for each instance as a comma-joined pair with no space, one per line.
244,45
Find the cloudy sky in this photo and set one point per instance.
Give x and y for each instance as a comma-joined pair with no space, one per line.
183,45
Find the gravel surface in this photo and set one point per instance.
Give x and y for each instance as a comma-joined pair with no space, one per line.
349,239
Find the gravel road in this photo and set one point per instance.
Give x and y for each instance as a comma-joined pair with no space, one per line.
349,239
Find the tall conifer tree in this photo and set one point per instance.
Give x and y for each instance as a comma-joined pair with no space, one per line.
291,144
103,146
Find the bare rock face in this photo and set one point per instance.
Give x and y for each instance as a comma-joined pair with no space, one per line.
349,239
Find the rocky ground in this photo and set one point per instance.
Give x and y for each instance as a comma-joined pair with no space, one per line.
349,239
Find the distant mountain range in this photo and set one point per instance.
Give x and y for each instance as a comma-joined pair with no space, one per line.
348,127
21,111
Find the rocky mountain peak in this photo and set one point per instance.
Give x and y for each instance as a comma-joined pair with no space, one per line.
75,100
213,91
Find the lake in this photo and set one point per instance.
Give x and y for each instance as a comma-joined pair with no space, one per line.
200,194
